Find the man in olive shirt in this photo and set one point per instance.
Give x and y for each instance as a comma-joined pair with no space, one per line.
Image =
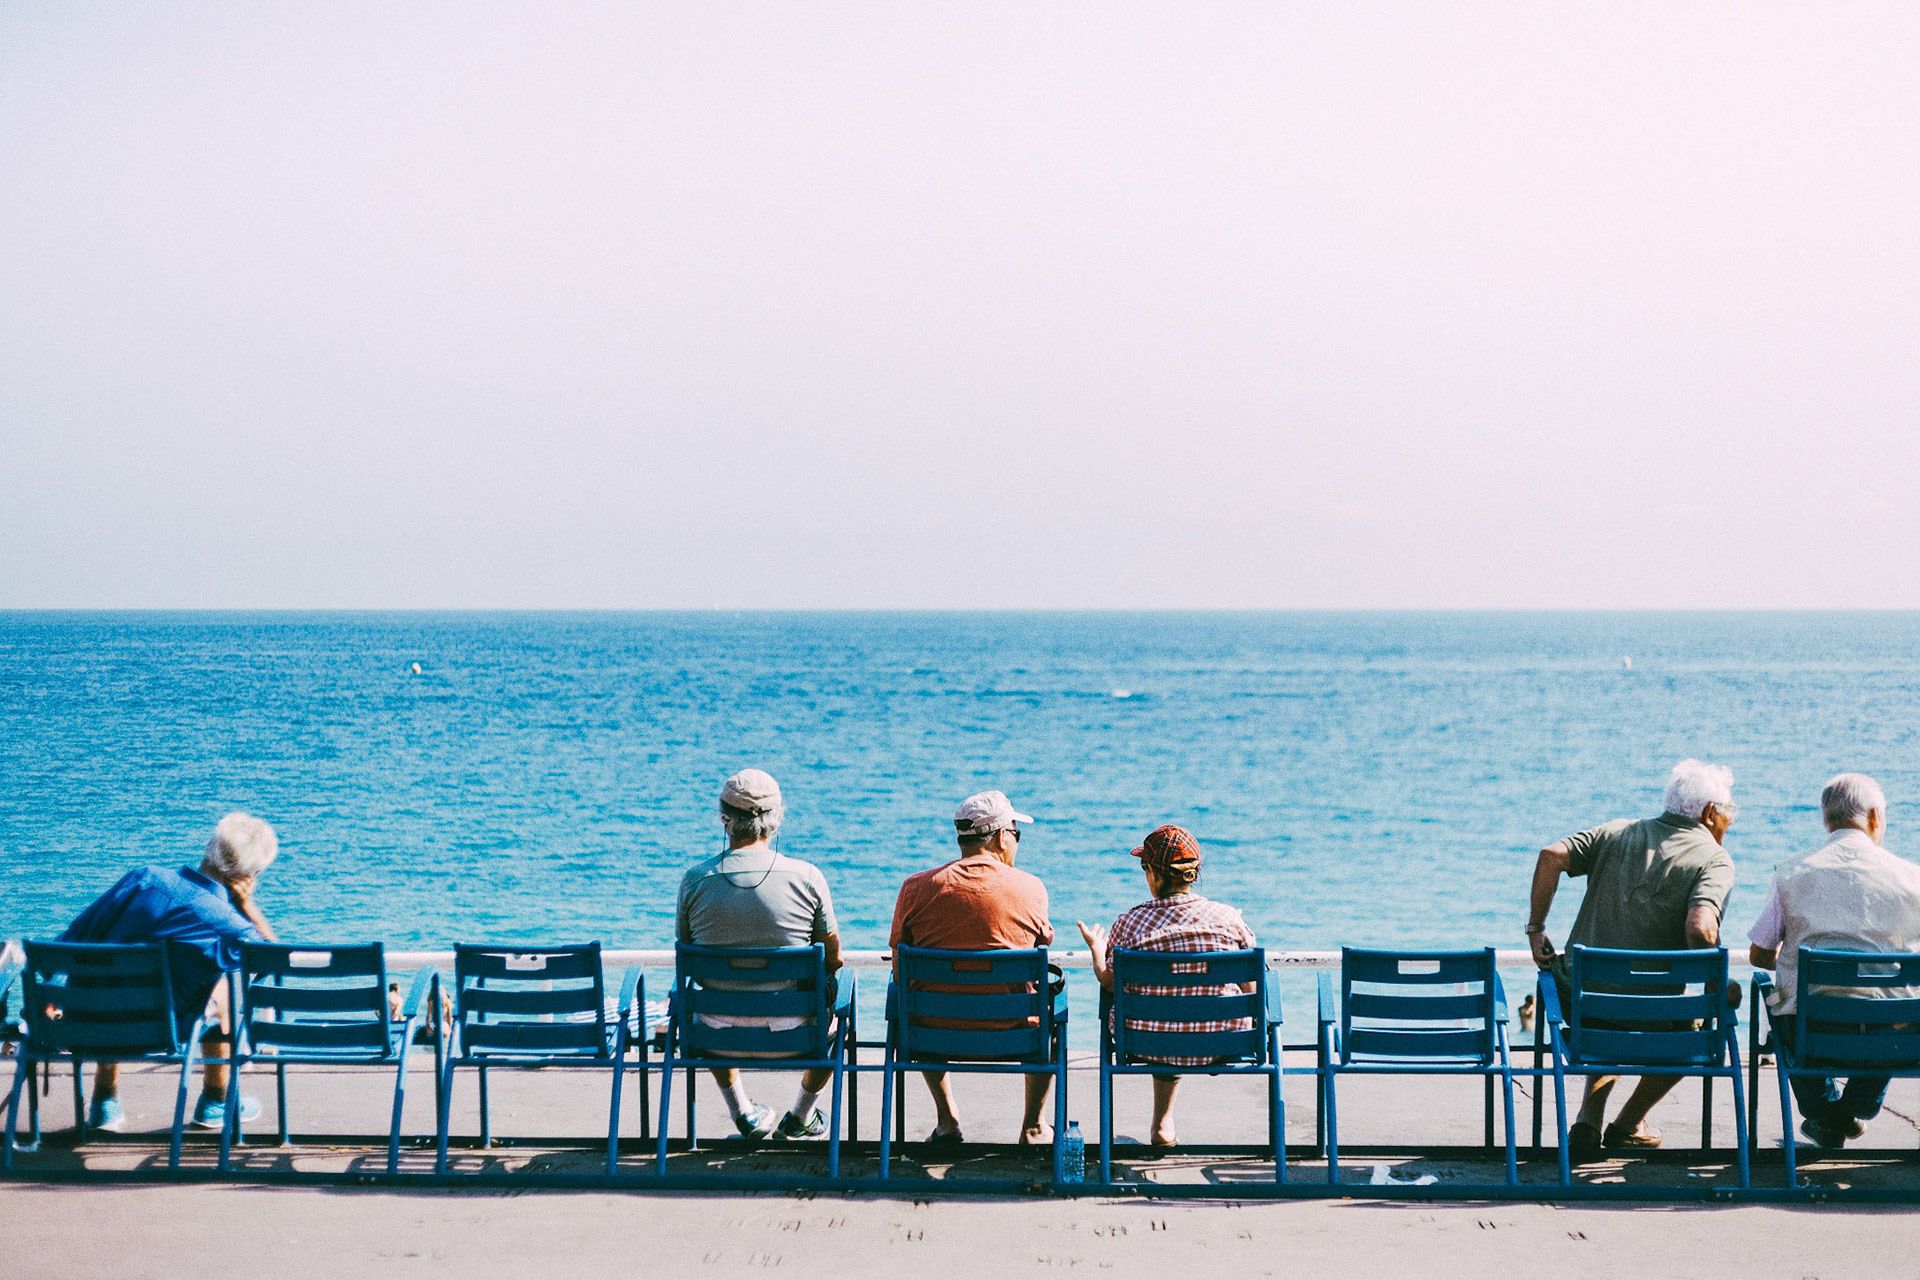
1659,884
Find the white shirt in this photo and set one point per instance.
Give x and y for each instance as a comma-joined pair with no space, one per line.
1850,895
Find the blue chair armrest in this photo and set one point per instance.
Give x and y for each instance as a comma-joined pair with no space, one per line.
1060,1006
1274,1015
843,991
1763,982
1549,1012
12,962
629,990
1327,1012
423,982
1500,1013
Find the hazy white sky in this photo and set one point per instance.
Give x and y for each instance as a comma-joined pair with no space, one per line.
903,305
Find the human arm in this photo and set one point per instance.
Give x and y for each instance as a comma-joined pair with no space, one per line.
831,945
1552,863
1708,901
240,891
1764,939
1097,944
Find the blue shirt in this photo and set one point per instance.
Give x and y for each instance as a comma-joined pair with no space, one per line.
185,907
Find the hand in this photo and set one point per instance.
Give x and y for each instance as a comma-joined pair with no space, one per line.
240,889
1096,938
1542,947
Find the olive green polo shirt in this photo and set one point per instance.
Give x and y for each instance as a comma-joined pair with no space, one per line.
1642,877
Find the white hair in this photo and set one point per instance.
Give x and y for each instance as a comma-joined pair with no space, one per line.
751,827
1848,798
1695,784
242,847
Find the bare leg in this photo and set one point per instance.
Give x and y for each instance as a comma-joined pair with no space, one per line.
723,1076
213,1044
106,1080
946,1119
1633,1112
1163,1090
1039,1085
1593,1107
817,1079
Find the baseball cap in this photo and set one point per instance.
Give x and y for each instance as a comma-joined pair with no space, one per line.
751,791
986,813
1168,847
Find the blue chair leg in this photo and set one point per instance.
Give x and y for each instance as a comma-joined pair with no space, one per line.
1277,1120
693,1118
1060,1118
33,1108
613,1113
1789,1148
1487,1112
887,1076
230,1121
1742,1138
446,1113
486,1113
1333,1123
399,1110
1106,1118
22,1075
666,1102
79,1100
1560,1114
280,1101
1513,1154
833,1135
1706,1113
180,1107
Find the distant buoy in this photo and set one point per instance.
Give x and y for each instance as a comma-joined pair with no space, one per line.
416,668
1121,693
1626,663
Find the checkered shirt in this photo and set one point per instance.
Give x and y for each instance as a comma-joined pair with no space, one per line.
1184,922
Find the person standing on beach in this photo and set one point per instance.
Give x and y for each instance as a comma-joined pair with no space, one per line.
753,896
207,913
1849,895
978,902
1174,918
1659,884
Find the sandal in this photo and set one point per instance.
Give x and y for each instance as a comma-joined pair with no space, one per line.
1620,1139
945,1140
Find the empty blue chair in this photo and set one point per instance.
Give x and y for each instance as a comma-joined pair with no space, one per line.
527,1008
1415,1013
1645,1013
101,1002
326,1005
1838,1030
1195,988
787,983
1013,1023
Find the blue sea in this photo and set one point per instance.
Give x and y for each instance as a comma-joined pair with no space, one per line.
1353,777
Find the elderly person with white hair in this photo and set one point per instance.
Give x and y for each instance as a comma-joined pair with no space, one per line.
754,896
1656,884
207,912
1848,895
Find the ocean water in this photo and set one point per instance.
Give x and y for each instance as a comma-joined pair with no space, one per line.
1353,778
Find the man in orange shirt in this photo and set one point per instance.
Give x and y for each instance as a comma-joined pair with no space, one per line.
978,902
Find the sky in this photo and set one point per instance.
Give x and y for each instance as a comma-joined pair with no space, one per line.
1473,305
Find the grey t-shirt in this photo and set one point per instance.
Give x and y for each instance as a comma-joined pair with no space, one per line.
1642,877
754,899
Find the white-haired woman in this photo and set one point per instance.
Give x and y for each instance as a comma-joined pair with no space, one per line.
208,912
1656,884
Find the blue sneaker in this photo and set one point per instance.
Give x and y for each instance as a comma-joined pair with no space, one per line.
105,1114
211,1113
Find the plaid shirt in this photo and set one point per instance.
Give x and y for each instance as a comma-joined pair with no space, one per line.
1184,922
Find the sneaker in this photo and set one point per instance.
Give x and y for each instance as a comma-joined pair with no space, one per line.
1830,1136
211,1113
755,1122
105,1115
792,1126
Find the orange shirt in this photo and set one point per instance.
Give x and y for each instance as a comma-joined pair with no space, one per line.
972,904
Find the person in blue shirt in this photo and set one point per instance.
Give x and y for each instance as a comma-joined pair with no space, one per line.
207,912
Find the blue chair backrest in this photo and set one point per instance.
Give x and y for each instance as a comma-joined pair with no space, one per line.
1851,1026
1190,987
752,982
1415,1007
110,999
325,1001
1639,1008
530,1002
985,1006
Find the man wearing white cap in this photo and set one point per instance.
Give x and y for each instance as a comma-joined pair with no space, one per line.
753,896
977,902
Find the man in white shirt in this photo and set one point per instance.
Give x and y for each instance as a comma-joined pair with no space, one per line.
1850,895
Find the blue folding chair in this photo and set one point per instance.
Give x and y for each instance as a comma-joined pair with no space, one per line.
1193,988
1837,1031
1645,1013
1392,1020
1010,1021
750,982
527,1008
101,1002
326,1005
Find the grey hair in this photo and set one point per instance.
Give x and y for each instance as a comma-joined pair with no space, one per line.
242,847
751,827
1695,784
1848,798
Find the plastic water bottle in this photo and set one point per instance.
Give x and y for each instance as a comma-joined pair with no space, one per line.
1075,1153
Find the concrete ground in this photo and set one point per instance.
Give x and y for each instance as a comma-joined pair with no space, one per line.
235,1228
